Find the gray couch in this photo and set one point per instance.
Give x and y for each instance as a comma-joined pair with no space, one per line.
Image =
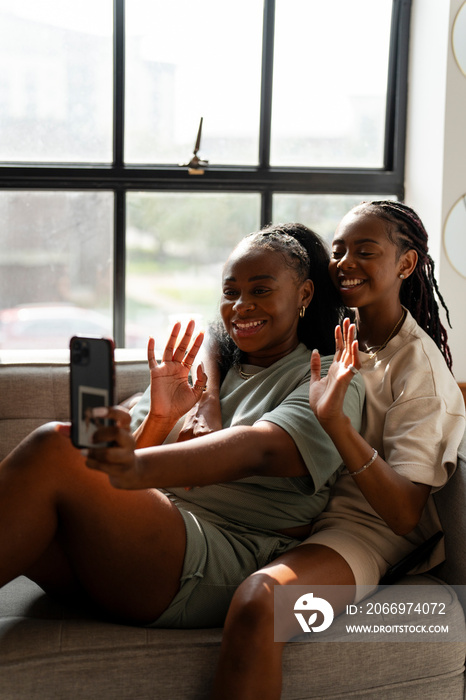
51,652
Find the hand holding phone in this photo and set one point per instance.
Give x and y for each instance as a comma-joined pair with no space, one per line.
92,377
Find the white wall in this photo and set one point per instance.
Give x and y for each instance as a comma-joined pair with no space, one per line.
436,148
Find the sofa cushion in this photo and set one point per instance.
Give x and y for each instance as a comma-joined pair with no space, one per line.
50,651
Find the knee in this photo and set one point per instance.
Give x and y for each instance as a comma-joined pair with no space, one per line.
251,610
48,436
46,441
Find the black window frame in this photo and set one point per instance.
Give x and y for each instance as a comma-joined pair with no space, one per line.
121,178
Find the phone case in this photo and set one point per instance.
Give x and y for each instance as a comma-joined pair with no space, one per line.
92,378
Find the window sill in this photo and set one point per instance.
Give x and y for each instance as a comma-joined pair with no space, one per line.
62,357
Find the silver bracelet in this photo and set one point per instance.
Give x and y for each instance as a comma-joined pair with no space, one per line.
366,466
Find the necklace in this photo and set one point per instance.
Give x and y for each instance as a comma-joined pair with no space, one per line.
245,375
378,348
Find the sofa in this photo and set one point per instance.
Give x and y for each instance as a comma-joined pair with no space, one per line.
52,652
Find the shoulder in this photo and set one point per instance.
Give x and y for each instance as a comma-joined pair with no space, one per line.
411,349
282,381
416,351
417,367
296,367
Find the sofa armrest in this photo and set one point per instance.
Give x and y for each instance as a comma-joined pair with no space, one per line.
451,506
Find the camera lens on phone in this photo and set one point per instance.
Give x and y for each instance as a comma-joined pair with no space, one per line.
79,352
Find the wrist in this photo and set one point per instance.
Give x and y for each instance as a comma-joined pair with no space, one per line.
209,396
337,427
161,423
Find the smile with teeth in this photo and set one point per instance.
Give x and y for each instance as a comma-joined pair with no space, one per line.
247,325
351,283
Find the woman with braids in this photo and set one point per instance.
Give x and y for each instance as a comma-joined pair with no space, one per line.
381,507
117,524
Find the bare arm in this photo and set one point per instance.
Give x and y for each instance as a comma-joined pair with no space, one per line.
206,416
264,449
397,500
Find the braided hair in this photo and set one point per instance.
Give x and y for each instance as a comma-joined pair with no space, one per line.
306,253
418,291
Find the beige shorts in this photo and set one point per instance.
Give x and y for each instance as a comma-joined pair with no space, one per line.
367,565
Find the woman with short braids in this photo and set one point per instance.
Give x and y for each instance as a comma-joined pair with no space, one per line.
381,507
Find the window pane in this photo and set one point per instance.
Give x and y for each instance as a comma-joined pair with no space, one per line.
188,59
330,82
322,213
176,247
56,80
56,261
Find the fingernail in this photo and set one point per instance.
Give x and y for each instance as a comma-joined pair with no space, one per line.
85,453
100,412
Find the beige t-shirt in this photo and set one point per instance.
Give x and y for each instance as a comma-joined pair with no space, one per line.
415,418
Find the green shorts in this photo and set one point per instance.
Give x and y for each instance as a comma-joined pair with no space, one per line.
219,556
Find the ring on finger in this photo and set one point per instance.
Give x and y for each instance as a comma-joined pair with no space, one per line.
353,369
186,364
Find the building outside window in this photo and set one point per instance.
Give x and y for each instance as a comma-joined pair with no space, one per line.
105,229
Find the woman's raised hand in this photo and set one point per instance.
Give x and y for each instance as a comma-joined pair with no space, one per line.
171,394
326,394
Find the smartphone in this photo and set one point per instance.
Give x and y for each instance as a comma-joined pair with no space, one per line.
92,379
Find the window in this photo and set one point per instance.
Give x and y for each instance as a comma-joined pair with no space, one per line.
105,229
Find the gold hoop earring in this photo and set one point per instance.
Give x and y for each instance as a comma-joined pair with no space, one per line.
302,311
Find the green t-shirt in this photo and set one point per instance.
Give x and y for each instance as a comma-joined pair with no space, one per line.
279,394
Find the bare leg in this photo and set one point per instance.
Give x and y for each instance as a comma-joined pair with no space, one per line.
68,528
250,664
